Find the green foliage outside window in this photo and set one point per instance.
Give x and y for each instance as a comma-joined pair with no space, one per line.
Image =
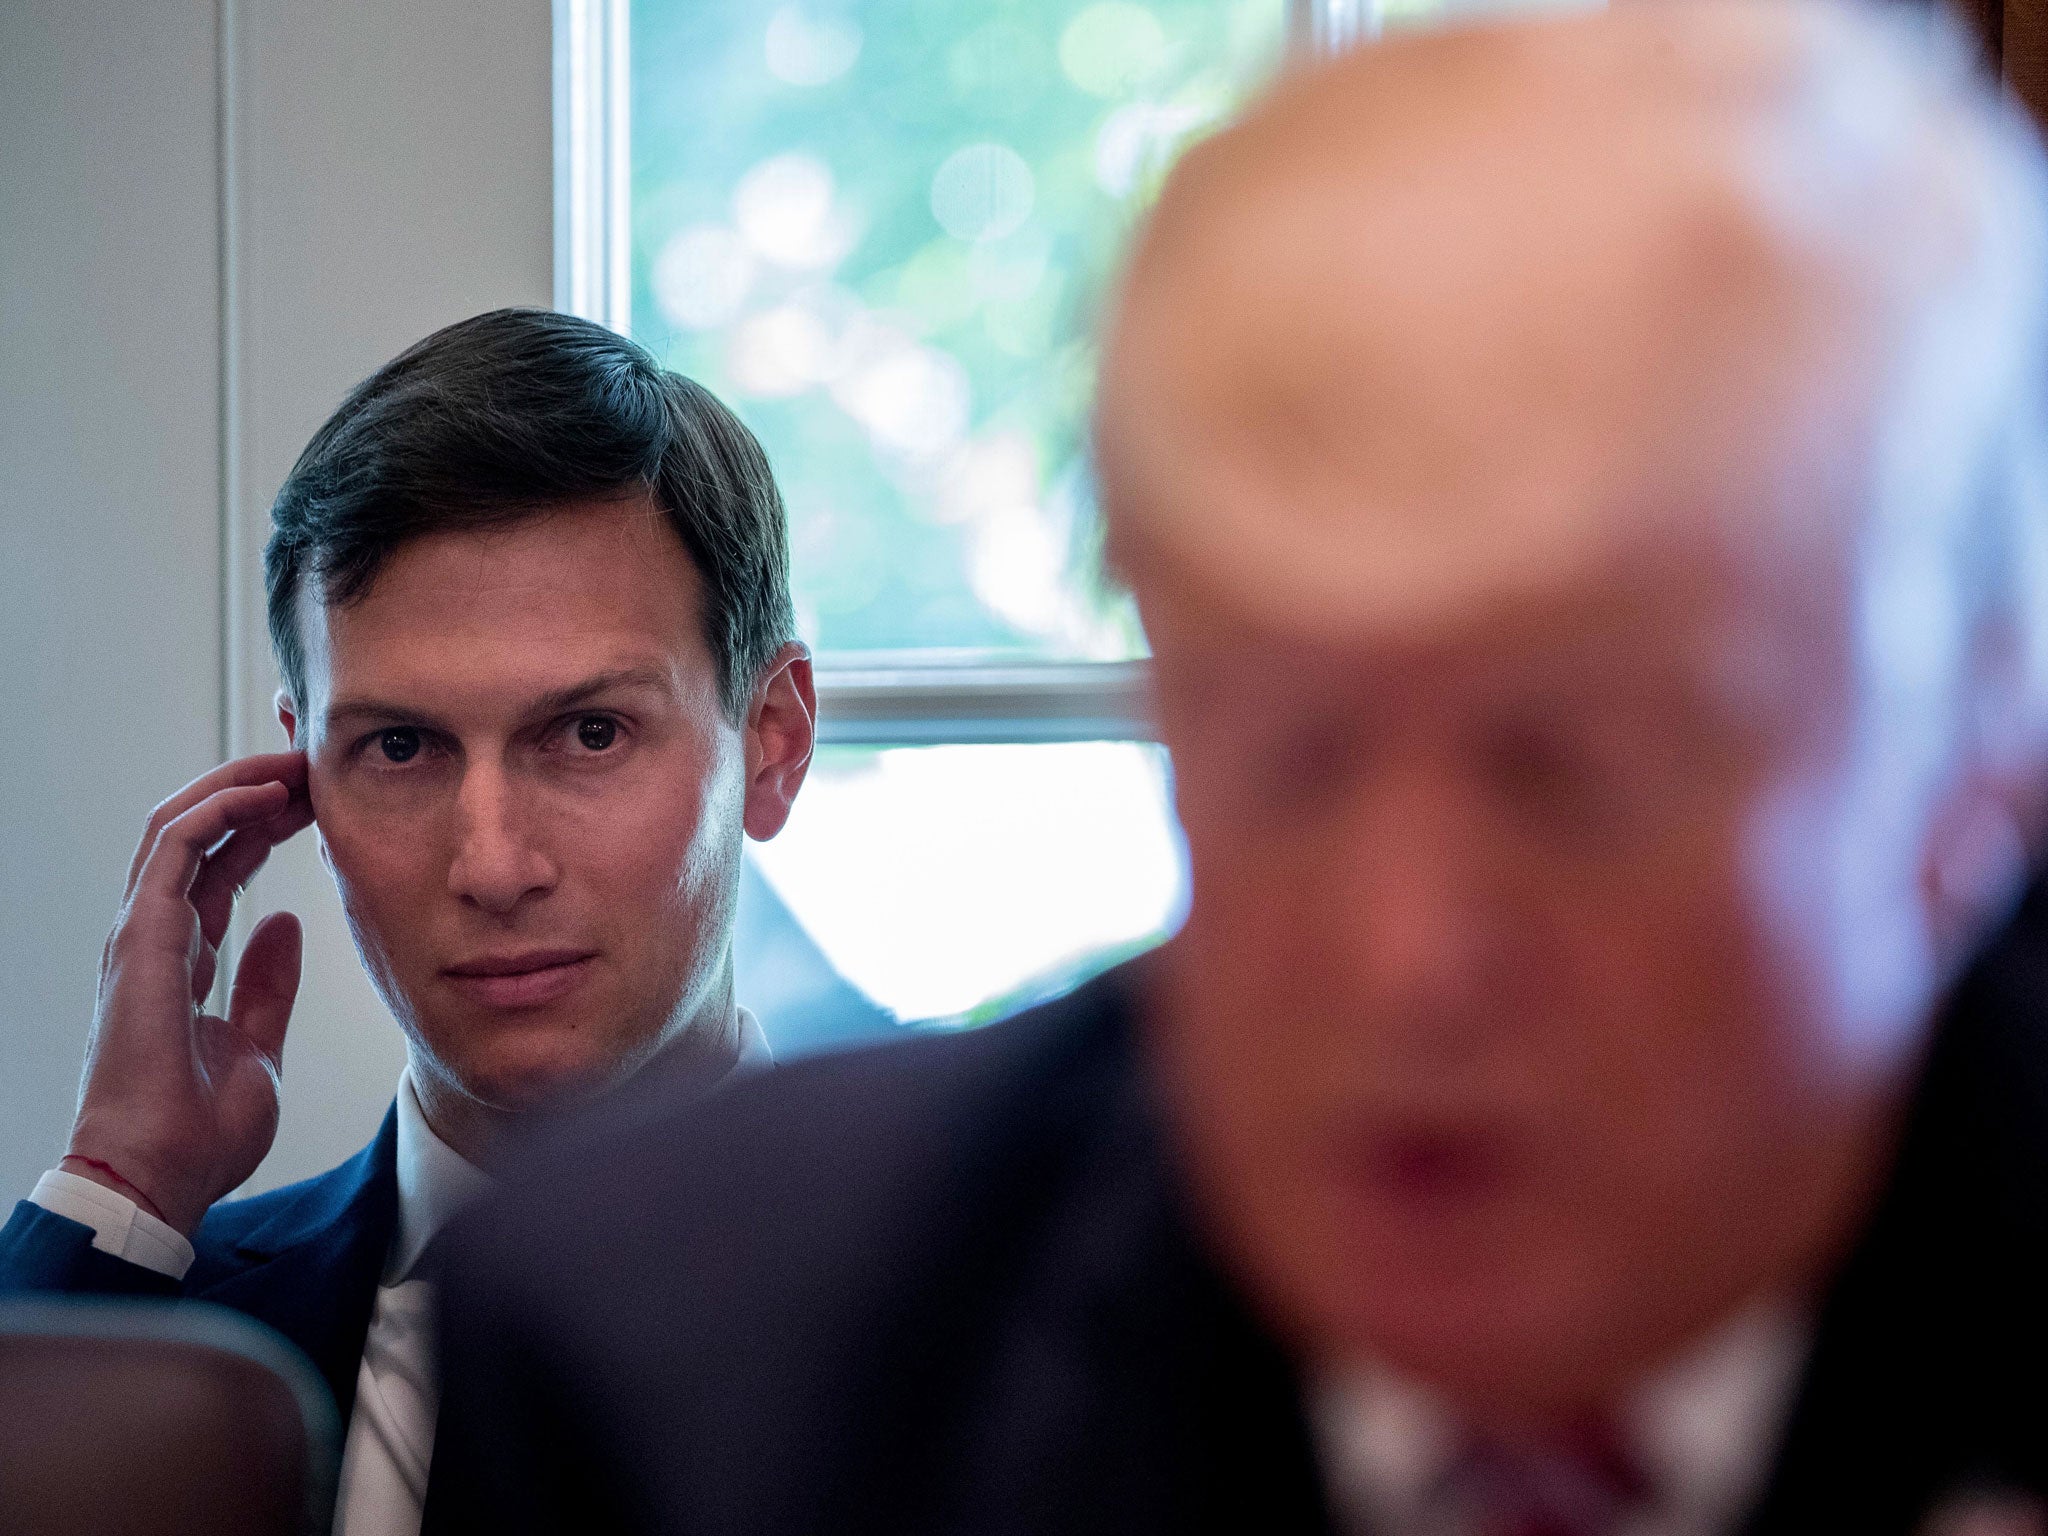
882,231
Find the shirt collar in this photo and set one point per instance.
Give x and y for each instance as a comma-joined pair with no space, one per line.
435,1182
1707,1426
754,1054
1704,1428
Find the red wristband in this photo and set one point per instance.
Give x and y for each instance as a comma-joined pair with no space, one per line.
118,1177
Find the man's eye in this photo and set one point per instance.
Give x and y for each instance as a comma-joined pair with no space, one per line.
400,744
596,732
1570,784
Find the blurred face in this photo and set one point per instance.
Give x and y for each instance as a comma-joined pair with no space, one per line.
530,799
1509,1037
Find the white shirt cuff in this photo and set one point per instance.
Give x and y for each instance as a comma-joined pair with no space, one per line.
119,1225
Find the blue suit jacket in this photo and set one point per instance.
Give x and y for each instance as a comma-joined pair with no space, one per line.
305,1259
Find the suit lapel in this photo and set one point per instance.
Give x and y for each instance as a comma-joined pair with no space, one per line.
1202,1406
1247,1457
1120,1360
310,1269
1925,1385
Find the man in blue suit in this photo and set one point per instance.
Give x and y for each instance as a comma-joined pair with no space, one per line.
529,598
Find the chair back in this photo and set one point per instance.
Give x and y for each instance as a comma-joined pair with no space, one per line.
147,1418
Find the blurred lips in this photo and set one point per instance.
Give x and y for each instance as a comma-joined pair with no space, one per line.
527,979
1431,1169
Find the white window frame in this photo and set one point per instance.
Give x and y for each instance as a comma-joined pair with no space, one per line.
593,162
1331,26
905,701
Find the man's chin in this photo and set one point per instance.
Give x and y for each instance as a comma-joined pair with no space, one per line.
525,1082
1489,1334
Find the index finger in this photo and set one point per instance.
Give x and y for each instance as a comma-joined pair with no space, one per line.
181,851
224,872
287,768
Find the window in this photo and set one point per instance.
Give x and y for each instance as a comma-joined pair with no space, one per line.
954,883
881,229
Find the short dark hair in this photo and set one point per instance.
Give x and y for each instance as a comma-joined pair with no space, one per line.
507,416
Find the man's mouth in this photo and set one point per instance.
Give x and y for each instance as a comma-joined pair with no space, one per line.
522,979
1432,1169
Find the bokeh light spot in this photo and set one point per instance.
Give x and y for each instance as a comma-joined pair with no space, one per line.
982,192
994,472
1136,143
1113,48
703,276
1019,567
803,50
780,352
787,208
914,400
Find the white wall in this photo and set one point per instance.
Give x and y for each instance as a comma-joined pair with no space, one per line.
110,674
215,216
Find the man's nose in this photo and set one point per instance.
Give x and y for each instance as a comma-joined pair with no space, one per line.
1416,918
499,857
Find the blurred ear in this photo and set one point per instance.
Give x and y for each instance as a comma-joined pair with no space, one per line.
781,731
1976,859
1991,823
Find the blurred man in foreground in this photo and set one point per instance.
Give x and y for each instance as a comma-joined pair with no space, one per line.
1582,482
529,598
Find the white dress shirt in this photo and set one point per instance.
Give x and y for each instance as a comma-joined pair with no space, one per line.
390,1440
391,1432
1704,1432
119,1225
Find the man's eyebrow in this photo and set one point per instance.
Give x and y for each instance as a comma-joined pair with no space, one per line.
555,702
349,711
562,699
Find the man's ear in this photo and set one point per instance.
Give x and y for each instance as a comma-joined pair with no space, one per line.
1992,819
781,730
1976,858
288,717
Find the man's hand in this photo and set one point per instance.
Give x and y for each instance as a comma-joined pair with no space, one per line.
183,1103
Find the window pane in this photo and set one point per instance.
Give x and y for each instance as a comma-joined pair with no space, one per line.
881,229
954,883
